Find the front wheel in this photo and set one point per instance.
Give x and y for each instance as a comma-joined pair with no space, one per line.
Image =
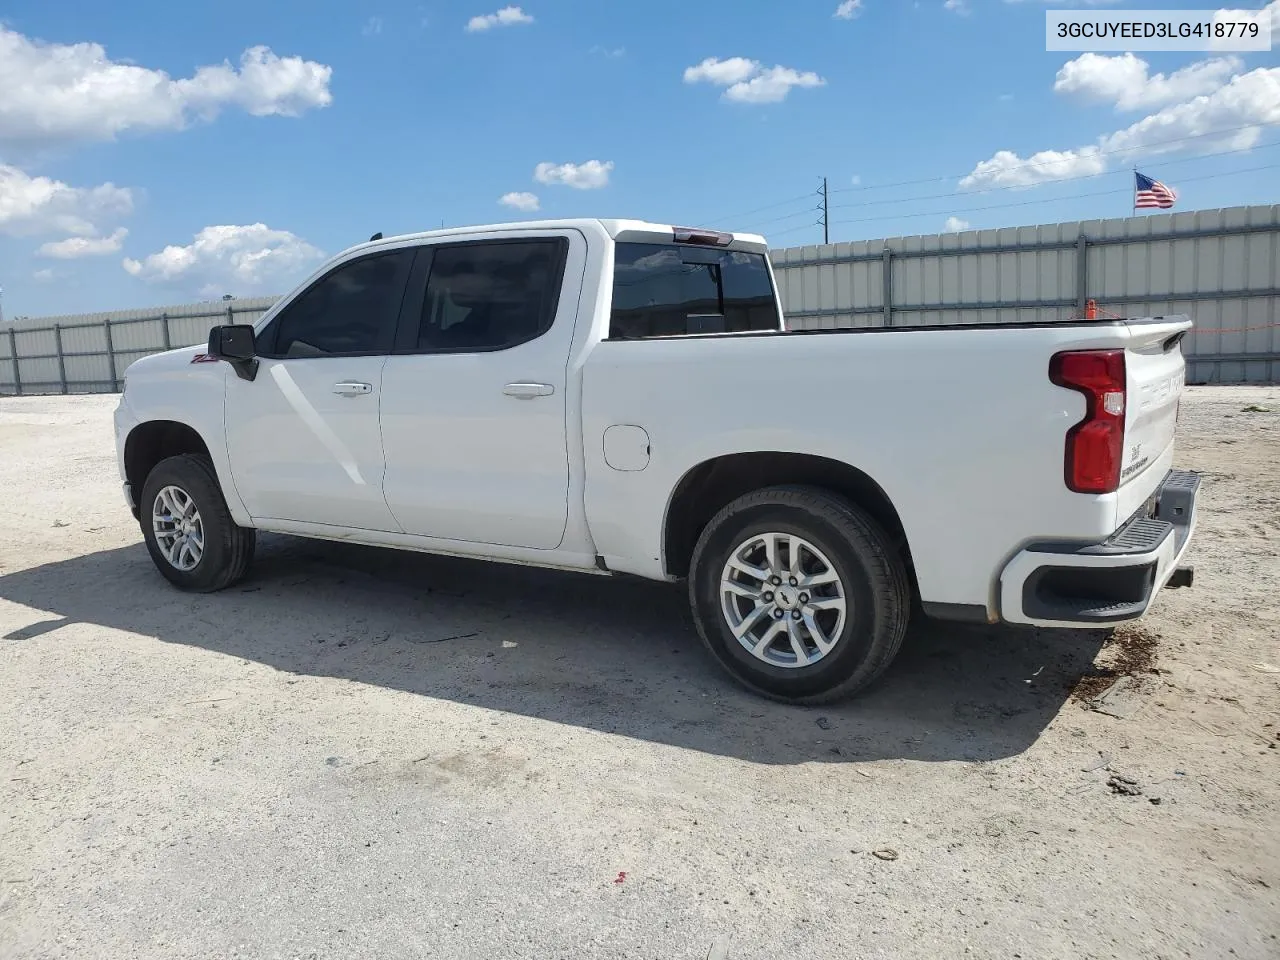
799,594
188,529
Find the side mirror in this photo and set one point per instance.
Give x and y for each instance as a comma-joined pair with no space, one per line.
234,343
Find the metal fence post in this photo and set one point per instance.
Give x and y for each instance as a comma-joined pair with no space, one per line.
62,362
164,330
1082,273
111,353
886,270
13,356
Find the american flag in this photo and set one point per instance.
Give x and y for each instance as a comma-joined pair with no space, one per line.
1152,193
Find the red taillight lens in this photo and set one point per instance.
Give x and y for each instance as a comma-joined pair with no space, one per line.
1095,445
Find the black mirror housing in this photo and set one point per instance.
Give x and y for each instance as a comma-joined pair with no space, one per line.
234,342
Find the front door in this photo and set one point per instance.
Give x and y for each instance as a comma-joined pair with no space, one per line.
303,435
474,404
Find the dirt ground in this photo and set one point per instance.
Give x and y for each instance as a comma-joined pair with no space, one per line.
360,753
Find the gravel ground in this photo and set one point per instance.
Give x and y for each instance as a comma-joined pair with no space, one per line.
360,753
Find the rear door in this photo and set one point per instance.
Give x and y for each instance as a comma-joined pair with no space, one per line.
303,436
475,398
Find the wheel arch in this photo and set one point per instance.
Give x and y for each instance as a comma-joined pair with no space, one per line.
709,486
152,441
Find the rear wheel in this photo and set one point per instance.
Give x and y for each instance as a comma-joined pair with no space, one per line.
799,594
188,529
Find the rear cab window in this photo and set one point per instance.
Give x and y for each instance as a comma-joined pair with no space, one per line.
672,290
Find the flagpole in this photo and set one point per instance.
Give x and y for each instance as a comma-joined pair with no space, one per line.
1133,193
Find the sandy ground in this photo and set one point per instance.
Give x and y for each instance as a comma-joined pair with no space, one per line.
360,753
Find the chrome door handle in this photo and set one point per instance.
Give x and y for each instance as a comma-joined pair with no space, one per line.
527,391
352,388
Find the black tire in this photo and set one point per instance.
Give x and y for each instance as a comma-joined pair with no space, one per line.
872,576
228,548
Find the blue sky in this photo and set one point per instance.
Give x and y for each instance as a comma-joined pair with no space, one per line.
166,164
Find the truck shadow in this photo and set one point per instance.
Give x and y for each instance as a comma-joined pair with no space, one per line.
619,656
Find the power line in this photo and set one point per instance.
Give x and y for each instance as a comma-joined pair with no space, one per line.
772,206
1045,163
902,183
1027,203
882,186
1042,183
783,233
807,211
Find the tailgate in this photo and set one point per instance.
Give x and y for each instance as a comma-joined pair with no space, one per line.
1155,373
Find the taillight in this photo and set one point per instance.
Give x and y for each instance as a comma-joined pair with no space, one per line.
1095,445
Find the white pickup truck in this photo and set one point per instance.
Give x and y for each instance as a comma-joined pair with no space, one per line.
620,397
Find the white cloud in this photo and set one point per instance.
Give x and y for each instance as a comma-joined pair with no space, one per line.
44,276
612,53
506,17
1230,118
772,85
955,225
1125,80
721,72
591,175
520,200
1007,169
372,27
73,248
747,82
1251,98
848,10
958,6
35,205
856,180
230,259
57,93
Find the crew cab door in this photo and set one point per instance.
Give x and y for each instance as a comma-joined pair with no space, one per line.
474,401
303,436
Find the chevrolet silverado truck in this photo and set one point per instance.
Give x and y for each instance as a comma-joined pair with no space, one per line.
621,397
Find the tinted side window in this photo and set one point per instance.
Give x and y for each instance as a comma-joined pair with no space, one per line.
350,311
489,296
664,290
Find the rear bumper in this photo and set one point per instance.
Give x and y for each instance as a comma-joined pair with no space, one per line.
1066,584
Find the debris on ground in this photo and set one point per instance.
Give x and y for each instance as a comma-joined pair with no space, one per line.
456,636
1125,786
885,853
823,723
1122,699
1254,408
1102,761
1128,652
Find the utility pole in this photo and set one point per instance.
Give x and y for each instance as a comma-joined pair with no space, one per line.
826,219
